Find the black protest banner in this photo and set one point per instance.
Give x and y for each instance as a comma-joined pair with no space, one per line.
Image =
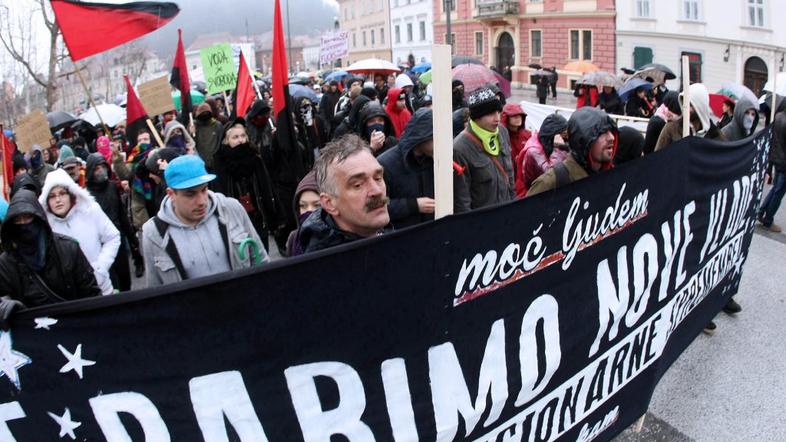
544,319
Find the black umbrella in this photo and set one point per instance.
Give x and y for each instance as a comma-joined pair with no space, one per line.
59,119
535,66
628,71
659,67
464,59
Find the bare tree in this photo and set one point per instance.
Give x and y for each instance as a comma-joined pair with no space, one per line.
16,35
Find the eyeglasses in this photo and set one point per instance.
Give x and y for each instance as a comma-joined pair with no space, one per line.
58,195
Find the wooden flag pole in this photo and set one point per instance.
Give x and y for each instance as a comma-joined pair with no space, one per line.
154,132
89,95
443,130
685,97
774,89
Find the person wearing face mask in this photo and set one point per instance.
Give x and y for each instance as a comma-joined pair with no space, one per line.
544,149
375,127
669,110
309,129
38,266
745,121
72,211
107,193
327,105
38,167
306,202
242,175
208,134
396,109
176,135
260,130
700,123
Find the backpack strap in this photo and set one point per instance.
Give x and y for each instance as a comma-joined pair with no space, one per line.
562,175
225,237
171,248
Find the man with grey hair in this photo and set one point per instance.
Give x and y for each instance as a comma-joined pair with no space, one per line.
352,194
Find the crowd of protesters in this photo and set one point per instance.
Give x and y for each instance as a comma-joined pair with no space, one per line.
92,208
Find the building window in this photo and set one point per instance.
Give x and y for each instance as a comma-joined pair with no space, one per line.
346,14
479,43
452,5
373,38
451,42
690,9
643,8
694,66
580,44
641,56
756,13
536,44
364,39
422,31
409,31
397,30
354,40
382,36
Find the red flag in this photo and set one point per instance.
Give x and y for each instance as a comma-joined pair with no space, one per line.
245,88
291,170
179,78
8,164
136,117
90,28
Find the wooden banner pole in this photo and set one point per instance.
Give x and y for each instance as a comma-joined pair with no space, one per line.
443,130
90,96
774,89
685,96
154,132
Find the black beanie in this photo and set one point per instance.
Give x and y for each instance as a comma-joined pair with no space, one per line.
482,102
19,163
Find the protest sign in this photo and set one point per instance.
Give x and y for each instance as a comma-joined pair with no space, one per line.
333,47
32,128
551,318
156,96
219,68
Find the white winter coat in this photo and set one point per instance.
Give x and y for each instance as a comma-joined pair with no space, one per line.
98,238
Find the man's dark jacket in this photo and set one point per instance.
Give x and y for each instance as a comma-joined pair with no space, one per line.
409,176
66,272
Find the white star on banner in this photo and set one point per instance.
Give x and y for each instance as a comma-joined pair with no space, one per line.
75,361
10,360
45,322
67,426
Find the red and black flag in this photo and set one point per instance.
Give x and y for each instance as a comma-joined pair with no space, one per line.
180,81
136,116
244,92
285,132
90,28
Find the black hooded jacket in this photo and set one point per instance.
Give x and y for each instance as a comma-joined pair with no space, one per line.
409,176
106,194
319,231
66,271
583,129
350,122
369,111
26,181
656,124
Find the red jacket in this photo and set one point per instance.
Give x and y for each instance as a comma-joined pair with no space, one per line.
399,117
518,138
533,162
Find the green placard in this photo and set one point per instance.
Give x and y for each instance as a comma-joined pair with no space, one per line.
219,68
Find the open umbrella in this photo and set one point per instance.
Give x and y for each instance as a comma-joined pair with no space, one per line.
535,66
421,68
580,66
373,66
656,73
600,79
464,59
737,91
543,73
196,98
473,76
425,78
110,113
503,83
631,85
59,119
659,67
298,91
337,76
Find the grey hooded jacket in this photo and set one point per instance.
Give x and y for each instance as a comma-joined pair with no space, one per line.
201,249
735,130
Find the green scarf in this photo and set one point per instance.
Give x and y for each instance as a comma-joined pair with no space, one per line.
490,140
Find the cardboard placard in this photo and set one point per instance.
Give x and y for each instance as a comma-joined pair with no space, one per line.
31,129
218,64
156,96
